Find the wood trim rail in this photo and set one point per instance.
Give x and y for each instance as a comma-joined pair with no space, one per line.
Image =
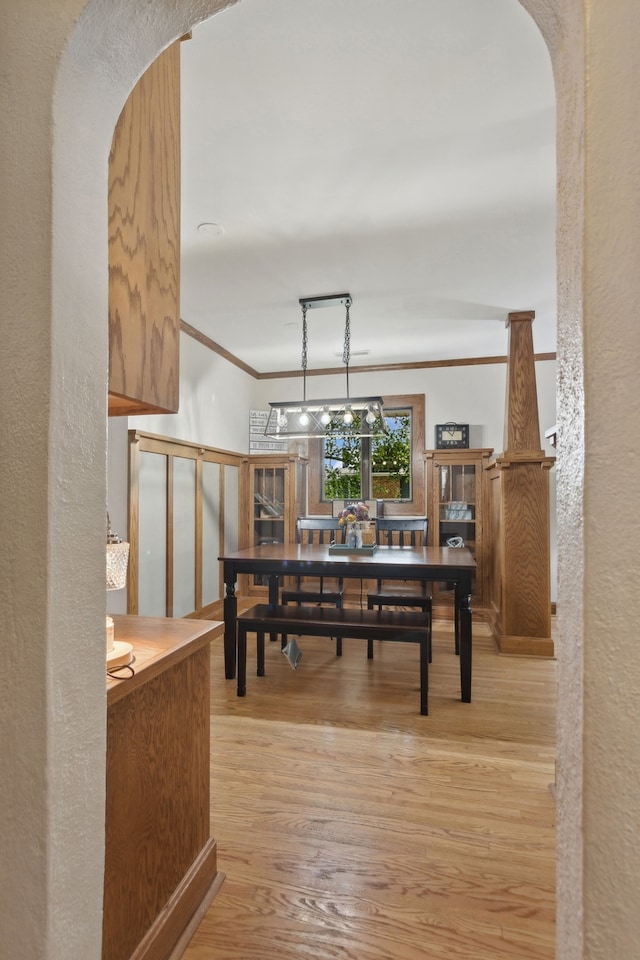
206,341
170,449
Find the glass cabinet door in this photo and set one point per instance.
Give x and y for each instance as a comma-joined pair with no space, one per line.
268,504
274,488
456,489
457,504
268,509
457,510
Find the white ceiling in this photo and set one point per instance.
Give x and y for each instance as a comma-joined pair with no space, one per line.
399,150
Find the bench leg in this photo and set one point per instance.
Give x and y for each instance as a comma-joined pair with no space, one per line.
370,641
425,645
339,639
274,593
283,636
260,652
242,660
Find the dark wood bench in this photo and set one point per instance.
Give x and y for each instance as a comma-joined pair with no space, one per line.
395,625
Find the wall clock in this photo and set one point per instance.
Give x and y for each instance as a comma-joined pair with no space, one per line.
452,436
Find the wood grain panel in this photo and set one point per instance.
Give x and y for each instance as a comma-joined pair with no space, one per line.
157,807
522,428
520,609
526,588
144,244
496,565
520,612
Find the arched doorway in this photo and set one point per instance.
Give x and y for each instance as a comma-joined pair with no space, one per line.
549,20
56,154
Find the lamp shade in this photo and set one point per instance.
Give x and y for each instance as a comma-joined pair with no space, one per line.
117,562
337,417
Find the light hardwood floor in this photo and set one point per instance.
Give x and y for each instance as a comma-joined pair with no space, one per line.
351,827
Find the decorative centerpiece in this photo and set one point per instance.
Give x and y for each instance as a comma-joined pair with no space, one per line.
353,517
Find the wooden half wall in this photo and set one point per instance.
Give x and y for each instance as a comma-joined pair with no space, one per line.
183,514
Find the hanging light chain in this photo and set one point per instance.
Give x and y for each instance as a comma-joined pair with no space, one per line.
305,351
336,417
346,353
304,337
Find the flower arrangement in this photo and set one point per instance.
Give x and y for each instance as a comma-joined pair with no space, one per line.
353,513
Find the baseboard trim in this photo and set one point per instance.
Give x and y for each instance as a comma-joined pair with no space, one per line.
197,918
526,646
196,889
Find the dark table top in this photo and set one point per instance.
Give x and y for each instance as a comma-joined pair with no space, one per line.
417,560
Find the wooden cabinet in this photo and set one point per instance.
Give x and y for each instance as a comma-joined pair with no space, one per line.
456,497
160,861
275,490
144,244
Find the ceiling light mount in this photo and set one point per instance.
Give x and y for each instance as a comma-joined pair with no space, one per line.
337,417
311,303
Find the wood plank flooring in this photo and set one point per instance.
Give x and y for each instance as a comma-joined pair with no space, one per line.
351,827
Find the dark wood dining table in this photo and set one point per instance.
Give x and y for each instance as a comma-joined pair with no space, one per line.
278,560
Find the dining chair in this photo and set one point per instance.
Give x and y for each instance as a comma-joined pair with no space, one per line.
322,590
401,532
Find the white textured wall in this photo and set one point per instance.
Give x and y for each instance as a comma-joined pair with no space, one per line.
215,396
594,49
611,735
52,477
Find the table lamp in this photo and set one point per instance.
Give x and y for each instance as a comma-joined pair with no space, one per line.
119,653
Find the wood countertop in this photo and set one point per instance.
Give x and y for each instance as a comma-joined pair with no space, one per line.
158,643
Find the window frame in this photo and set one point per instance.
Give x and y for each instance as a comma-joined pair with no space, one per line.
414,507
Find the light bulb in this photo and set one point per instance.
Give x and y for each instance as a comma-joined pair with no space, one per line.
348,416
325,417
282,418
370,417
304,419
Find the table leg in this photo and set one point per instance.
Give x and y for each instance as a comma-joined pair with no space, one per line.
230,609
274,594
456,626
463,616
260,653
242,660
424,675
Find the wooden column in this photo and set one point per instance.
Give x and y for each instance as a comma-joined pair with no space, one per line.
520,591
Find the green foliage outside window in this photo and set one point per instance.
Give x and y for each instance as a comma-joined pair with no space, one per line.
376,469
391,460
342,460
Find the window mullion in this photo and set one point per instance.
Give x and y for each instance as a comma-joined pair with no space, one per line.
365,468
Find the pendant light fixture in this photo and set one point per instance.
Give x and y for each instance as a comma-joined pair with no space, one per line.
336,417
119,652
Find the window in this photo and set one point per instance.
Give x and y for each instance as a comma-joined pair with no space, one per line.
389,468
365,468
